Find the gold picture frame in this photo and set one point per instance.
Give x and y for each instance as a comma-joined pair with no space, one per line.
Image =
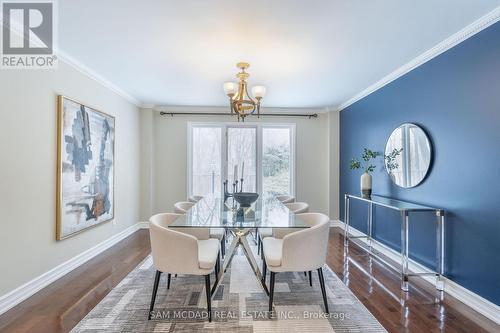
85,167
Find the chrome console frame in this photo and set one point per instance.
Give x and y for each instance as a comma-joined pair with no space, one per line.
405,208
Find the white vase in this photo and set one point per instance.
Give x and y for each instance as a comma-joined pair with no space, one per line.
366,185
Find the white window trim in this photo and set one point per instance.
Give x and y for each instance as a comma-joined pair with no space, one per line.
259,126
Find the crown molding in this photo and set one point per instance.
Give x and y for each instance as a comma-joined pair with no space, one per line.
458,37
69,60
147,106
66,58
222,109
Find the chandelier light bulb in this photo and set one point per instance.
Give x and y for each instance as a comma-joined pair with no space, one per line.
259,91
230,88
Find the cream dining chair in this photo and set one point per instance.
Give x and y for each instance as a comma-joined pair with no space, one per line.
294,207
297,207
290,255
285,198
182,207
176,252
166,219
195,198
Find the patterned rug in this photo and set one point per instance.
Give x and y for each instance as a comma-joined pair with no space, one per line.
239,305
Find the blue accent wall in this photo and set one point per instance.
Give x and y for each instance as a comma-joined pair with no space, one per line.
455,98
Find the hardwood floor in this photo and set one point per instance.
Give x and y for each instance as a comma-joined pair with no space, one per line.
60,306
378,287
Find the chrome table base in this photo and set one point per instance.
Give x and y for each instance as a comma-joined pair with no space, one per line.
239,239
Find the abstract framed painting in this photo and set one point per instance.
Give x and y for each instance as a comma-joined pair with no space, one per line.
85,167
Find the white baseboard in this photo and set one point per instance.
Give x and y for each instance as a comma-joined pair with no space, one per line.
471,299
21,293
336,223
11,299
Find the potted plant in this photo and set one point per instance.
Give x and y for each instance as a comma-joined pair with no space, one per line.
366,178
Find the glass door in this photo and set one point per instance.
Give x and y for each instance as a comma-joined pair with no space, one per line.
242,157
262,154
206,160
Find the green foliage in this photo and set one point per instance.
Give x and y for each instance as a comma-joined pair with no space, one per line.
390,159
355,164
370,154
276,169
275,160
278,184
367,156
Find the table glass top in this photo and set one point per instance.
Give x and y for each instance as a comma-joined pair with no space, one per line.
266,212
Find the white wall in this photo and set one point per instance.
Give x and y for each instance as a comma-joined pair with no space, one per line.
169,179
147,164
28,169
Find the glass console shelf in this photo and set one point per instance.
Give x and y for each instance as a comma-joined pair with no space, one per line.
405,208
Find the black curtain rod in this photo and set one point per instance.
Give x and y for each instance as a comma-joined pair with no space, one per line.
311,115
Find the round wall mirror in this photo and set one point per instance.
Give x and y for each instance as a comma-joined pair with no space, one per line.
408,155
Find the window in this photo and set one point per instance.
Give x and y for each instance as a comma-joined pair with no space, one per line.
261,154
242,156
206,157
276,160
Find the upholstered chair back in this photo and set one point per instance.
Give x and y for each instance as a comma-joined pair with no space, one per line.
172,251
166,219
306,249
182,207
195,198
285,198
298,207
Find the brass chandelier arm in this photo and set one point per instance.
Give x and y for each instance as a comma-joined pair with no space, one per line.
231,104
240,101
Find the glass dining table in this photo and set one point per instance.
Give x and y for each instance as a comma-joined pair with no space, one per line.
214,212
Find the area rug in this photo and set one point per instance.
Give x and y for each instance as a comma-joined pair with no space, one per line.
239,305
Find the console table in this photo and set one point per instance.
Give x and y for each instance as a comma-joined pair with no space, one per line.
405,208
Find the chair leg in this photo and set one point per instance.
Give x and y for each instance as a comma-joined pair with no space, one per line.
258,245
323,290
223,246
310,279
264,270
217,267
262,250
168,281
209,304
153,296
305,273
271,291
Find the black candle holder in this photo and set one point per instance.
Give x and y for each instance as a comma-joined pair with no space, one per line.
228,194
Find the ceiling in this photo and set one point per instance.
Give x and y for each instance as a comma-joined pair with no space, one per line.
308,53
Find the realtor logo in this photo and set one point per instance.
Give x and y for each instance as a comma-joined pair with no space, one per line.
28,34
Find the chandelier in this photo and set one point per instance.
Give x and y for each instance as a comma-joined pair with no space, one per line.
239,100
